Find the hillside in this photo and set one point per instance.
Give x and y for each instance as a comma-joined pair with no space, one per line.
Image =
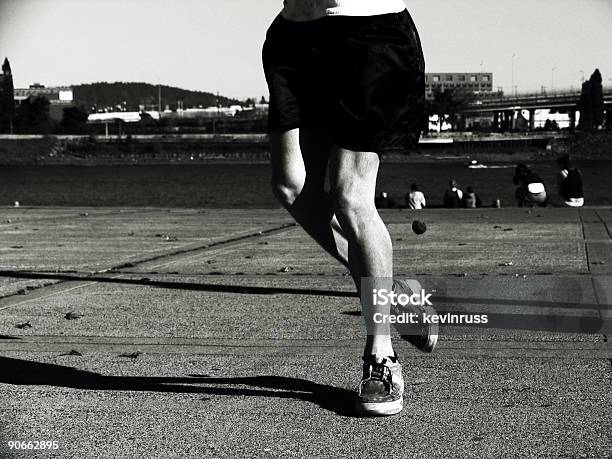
133,95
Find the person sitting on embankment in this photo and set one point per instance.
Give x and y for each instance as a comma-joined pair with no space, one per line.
570,183
530,190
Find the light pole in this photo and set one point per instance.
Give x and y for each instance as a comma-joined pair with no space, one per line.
552,79
512,87
582,75
159,97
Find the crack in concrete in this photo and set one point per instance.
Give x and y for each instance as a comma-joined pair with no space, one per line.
39,291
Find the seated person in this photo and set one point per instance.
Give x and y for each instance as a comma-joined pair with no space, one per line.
453,196
570,183
415,199
530,190
471,200
384,201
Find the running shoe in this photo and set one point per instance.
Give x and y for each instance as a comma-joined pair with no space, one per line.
423,336
381,391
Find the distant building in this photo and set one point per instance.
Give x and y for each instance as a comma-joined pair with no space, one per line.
465,82
59,98
113,117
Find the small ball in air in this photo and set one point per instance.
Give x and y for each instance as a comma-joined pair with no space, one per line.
419,227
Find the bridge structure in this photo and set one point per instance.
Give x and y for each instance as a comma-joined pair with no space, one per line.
505,109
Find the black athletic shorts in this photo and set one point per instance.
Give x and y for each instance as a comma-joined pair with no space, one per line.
360,79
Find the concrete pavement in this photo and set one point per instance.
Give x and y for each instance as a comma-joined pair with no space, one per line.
206,333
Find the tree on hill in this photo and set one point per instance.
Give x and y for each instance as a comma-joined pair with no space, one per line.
7,101
131,96
74,121
585,105
591,103
428,111
598,98
32,116
448,104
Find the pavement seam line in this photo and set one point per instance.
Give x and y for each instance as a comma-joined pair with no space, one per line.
117,269
586,245
604,224
199,248
314,349
586,250
72,216
551,344
29,300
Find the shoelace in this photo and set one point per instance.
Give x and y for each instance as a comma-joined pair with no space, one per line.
379,371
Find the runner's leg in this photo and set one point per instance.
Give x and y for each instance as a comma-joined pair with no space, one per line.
299,165
353,181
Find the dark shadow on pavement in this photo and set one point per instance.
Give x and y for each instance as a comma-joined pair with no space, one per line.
27,373
179,285
252,290
550,318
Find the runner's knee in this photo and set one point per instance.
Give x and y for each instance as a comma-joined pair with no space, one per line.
287,189
351,208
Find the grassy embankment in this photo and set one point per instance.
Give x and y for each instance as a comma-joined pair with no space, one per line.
38,150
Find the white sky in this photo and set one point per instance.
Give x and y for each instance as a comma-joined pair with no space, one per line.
215,45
